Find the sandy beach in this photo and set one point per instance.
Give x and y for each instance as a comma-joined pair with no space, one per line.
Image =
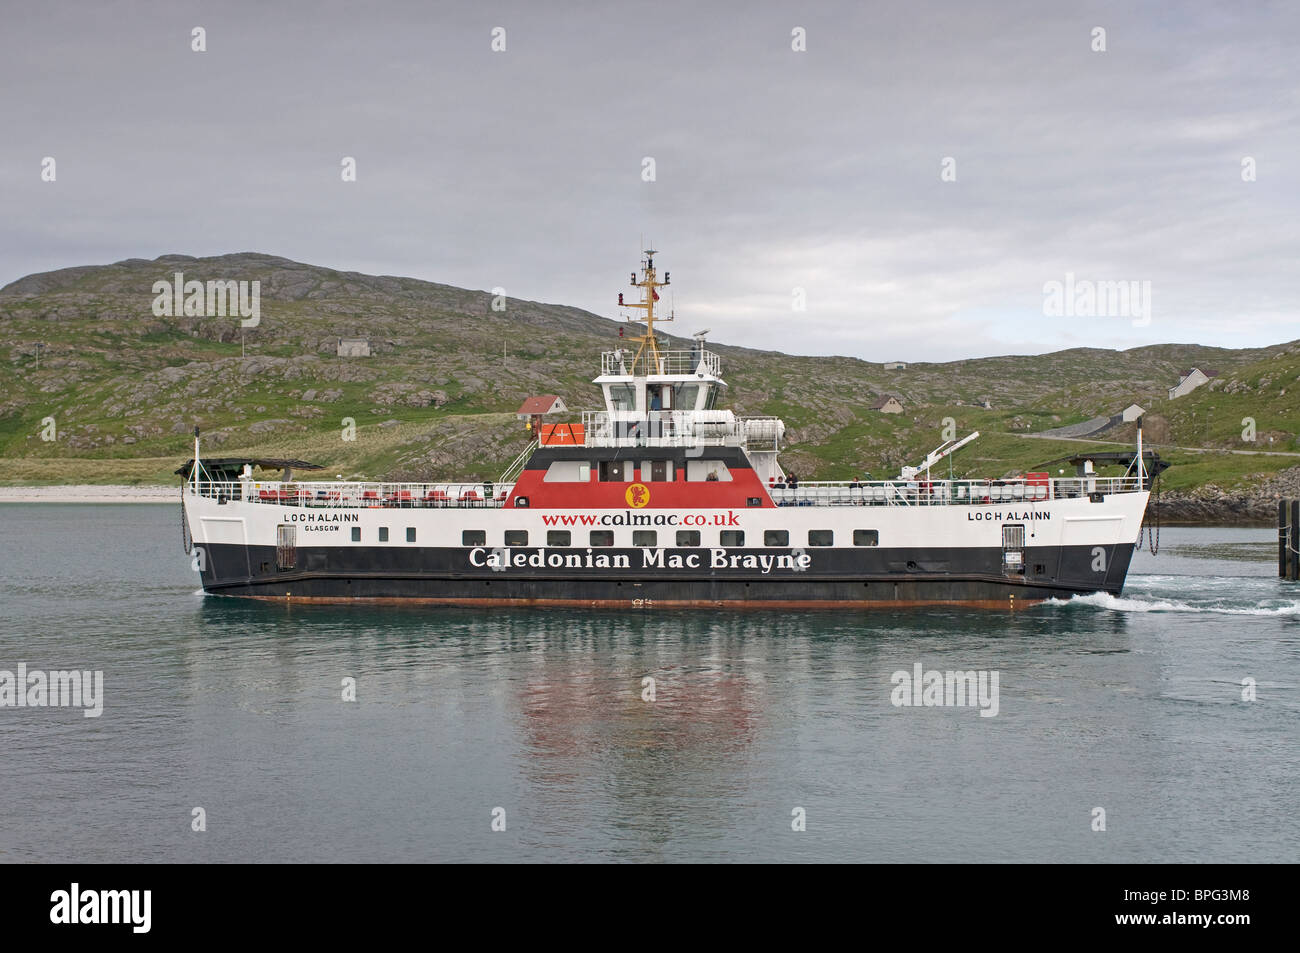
89,493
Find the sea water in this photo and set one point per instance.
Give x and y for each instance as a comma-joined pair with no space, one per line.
1162,725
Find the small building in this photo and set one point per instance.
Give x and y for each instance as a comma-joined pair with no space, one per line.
354,347
540,406
1188,381
896,366
888,404
1131,413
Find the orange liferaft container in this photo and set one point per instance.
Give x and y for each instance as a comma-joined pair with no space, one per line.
571,435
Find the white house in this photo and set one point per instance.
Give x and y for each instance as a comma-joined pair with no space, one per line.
1131,413
1190,380
540,406
887,404
896,366
353,347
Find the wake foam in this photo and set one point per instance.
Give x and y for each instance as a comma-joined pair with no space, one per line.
1104,600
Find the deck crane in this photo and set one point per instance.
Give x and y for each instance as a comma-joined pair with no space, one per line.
943,450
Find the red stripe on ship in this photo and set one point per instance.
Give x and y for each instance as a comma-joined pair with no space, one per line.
677,494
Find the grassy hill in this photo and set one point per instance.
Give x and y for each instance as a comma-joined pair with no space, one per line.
436,399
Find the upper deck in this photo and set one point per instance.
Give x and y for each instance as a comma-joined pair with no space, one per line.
620,363
893,493
671,428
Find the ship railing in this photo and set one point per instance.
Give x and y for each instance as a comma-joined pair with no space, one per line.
336,495
516,467
946,492
620,362
663,428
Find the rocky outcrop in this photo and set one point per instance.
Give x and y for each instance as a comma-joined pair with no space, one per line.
1212,504
1220,511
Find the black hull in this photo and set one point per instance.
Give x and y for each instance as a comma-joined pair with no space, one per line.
878,578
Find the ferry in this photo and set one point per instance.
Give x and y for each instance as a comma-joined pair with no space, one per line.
663,499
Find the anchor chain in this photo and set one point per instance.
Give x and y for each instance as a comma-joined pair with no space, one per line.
1151,533
187,541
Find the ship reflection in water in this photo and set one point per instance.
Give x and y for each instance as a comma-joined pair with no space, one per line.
750,718
680,731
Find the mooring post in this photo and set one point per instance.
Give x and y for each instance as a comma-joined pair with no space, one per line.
1295,541
1282,534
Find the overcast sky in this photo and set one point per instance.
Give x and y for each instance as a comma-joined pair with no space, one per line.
774,169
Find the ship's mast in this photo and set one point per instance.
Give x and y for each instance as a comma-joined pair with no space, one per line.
646,361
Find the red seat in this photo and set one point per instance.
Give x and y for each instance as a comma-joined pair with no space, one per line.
470,496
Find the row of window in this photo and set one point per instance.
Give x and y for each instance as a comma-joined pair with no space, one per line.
383,534
630,471
686,538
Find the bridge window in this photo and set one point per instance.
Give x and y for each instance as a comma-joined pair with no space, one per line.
645,537
688,537
685,396
731,537
866,537
776,537
602,537
559,537
473,537
821,537
622,397
516,537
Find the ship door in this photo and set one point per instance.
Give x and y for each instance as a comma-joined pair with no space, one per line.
286,547
1013,549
